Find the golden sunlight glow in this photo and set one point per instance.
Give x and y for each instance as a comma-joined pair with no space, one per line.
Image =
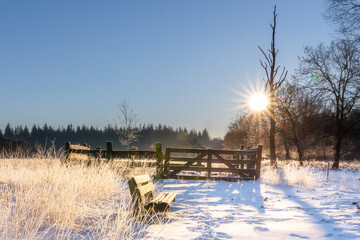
258,102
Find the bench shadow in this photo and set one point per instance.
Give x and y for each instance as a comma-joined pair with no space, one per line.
215,193
213,203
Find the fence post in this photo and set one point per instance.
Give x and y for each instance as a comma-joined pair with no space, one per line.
166,162
209,164
67,153
109,150
98,155
242,147
250,157
258,162
160,160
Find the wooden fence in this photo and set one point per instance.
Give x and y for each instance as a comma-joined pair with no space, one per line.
75,151
182,163
209,163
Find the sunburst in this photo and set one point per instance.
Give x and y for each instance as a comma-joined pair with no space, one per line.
258,102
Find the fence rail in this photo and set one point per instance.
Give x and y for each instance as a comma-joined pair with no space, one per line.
183,163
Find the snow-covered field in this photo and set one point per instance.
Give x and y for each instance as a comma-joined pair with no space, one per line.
265,209
41,199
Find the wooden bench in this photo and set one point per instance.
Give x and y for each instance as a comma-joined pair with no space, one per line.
143,199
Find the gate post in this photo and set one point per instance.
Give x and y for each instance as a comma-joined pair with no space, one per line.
209,159
160,160
258,162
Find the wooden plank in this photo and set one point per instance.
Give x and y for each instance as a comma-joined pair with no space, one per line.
161,205
187,150
169,198
245,161
183,159
158,198
234,161
213,169
197,150
78,147
183,165
146,188
190,177
141,179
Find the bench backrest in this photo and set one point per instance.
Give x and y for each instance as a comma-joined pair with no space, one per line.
141,189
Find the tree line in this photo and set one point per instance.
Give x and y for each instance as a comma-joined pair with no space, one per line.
147,136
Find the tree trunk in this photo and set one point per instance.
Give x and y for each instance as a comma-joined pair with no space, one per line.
339,136
337,152
272,140
287,150
301,156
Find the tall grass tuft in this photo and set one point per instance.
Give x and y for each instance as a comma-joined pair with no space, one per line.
292,174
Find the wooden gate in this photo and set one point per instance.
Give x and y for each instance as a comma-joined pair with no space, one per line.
184,163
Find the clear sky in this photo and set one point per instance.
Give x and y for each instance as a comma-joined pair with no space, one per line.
177,62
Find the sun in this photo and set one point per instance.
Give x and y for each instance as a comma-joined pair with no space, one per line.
258,102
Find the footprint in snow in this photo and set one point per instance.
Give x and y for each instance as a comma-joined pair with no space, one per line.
298,236
261,229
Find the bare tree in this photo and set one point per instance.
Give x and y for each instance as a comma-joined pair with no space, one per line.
272,85
300,118
334,74
346,15
246,129
128,119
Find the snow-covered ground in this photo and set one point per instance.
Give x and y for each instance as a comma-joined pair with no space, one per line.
261,210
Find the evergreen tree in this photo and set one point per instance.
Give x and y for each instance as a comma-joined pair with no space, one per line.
9,132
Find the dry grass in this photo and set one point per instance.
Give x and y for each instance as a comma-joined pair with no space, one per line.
292,174
42,199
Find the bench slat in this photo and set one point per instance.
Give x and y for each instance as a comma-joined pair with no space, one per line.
146,188
170,197
141,179
159,197
161,203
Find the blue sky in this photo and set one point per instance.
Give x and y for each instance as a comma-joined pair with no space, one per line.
177,62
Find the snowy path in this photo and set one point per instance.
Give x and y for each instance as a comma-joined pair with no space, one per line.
255,210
